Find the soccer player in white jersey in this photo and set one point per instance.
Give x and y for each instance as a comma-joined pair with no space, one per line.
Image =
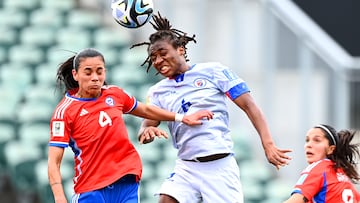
206,170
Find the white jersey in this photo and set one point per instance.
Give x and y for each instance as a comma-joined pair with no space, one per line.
203,86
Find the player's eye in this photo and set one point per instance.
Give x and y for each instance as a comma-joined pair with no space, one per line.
100,71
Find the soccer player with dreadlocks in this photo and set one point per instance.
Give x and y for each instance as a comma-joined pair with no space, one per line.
206,170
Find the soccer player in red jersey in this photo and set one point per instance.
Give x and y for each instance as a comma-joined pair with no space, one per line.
89,120
332,171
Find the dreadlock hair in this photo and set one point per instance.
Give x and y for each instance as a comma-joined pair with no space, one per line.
345,152
64,73
164,31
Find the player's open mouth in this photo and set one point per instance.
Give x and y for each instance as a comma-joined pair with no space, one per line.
309,153
164,69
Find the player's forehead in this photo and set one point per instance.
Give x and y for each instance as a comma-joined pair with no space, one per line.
160,45
89,62
315,132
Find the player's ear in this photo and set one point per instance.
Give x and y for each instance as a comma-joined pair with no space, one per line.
74,73
331,149
181,50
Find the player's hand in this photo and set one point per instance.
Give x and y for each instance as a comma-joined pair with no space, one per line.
197,117
150,133
276,156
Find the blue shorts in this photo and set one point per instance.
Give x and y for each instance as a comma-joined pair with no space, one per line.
125,190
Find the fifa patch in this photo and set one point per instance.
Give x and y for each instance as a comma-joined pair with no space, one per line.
58,128
200,82
110,101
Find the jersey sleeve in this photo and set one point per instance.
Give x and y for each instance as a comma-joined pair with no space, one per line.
129,101
60,127
229,82
151,99
310,181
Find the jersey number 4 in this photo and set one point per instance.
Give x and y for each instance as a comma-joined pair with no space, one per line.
104,119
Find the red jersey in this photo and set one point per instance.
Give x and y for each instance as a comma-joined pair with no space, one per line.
96,132
320,183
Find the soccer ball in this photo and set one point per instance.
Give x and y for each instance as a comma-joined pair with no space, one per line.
132,13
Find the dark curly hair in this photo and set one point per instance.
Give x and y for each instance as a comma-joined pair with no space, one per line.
164,31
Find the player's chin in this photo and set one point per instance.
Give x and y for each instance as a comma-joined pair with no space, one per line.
95,91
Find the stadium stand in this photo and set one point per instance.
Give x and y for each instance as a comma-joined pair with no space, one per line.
72,38
40,36
84,19
26,53
49,17
8,37
16,75
63,5
13,18
104,37
7,133
18,4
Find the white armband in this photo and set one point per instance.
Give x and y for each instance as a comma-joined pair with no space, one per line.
179,117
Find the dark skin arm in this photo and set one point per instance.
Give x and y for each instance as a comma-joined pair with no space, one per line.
274,155
148,131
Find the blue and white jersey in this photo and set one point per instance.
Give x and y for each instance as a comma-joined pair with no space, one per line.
204,86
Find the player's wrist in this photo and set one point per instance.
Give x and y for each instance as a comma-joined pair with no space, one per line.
179,117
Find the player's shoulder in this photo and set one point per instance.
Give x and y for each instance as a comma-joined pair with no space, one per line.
110,88
319,165
62,108
208,65
114,90
155,87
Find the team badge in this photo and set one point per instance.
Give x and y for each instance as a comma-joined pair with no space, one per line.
200,82
58,128
109,101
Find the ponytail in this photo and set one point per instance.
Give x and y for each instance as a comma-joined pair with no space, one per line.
346,153
64,75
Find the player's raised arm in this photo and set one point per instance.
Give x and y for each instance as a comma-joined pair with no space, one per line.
155,113
274,155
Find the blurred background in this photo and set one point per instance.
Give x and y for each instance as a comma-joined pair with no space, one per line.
300,59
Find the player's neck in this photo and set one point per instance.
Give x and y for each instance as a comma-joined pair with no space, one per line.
80,94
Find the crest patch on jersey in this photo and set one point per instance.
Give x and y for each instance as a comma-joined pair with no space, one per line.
58,128
230,75
200,82
109,101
